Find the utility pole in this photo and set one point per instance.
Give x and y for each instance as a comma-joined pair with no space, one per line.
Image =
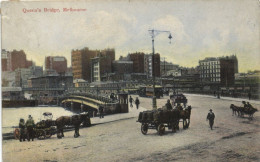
153,34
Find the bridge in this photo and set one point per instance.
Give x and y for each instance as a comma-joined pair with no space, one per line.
90,102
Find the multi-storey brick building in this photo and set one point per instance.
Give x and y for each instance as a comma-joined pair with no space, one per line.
101,65
151,67
81,62
217,71
57,63
122,67
138,62
4,59
14,60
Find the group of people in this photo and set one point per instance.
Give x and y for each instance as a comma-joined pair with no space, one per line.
246,105
26,129
137,102
168,105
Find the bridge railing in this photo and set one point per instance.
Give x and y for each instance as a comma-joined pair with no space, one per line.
103,98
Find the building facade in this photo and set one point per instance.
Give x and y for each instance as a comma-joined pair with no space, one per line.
57,63
23,74
138,62
148,65
209,70
14,60
4,59
122,67
101,66
165,67
217,71
81,61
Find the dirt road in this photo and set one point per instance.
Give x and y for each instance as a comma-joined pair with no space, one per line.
232,139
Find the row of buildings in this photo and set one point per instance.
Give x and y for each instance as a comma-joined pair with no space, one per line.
14,59
100,65
17,70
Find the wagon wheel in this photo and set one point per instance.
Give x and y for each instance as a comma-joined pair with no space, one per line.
144,128
48,134
161,129
41,134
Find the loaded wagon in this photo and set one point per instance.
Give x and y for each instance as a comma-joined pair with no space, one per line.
45,128
159,119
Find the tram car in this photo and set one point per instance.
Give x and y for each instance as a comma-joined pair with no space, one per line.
147,91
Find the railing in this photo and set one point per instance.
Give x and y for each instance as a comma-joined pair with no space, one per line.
102,98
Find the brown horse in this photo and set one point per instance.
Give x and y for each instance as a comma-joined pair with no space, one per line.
185,115
74,120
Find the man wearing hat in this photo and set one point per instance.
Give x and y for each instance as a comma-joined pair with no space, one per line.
30,125
168,105
211,117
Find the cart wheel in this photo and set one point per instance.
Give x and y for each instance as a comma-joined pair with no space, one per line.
161,129
41,134
144,128
48,134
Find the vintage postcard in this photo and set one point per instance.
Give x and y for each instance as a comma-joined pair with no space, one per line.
149,80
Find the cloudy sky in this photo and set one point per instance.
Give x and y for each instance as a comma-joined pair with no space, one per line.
199,28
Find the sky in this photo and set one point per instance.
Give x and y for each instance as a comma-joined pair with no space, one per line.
199,29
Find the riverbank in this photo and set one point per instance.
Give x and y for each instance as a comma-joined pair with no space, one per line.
133,112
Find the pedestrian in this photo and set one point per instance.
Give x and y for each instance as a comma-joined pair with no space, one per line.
211,117
214,93
249,95
131,101
137,102
218,95
168,105
29,126
22,130
101,111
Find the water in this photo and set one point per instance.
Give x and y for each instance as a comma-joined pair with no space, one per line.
11,116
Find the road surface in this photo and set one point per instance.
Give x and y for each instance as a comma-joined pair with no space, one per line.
232,139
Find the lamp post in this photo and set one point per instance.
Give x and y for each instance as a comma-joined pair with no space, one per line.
153,34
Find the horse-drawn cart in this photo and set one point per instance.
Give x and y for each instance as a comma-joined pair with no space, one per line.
45,128
159,119
178,99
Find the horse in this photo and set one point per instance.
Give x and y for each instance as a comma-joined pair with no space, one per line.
185,115
235,109
175,117
74,120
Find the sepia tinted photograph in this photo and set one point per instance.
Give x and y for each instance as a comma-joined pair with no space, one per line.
130,81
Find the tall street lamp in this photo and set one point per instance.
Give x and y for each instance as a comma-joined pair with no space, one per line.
153,34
